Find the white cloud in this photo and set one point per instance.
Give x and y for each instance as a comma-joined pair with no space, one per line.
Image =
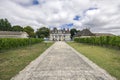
105,18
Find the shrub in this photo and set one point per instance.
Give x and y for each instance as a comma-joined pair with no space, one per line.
8,43
102,41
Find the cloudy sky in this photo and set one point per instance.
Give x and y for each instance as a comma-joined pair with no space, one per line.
98,15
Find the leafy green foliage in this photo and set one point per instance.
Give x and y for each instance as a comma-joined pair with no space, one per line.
30,31
102,41
8,43
5,25
73,32
17,28
43,32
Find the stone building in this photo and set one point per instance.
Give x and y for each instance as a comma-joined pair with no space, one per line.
60,35
84,33
88,33
13,34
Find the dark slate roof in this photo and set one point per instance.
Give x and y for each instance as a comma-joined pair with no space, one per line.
84,32
63,31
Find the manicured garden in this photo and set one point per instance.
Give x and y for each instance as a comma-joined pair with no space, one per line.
14,60
107,58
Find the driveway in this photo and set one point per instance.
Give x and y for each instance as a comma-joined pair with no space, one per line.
62,62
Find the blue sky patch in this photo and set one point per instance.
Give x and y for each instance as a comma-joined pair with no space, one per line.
69,25
92,8
35,2
77,18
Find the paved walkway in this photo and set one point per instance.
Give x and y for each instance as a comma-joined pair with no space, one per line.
61,62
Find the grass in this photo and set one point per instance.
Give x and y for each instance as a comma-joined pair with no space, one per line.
107,58
13,61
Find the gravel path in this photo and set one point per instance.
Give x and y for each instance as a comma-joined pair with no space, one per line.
61,62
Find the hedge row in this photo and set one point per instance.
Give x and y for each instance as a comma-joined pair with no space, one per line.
8,43
102,41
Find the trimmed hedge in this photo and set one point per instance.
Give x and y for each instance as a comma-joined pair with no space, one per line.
8,43
102,41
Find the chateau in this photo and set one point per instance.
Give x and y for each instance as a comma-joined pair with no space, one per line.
60,35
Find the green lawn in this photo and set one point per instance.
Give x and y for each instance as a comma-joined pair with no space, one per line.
107,58
13,61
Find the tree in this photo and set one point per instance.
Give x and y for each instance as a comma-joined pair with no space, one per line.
43,32
30,31
73,32
78,31
5,25
17,28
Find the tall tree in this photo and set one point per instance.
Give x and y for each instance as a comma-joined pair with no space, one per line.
5,25
73,32
43,32
17,28
30,31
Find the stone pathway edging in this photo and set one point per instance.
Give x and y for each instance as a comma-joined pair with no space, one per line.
62,62
93,65
32,66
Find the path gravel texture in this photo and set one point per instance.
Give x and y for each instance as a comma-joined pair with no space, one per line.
62,62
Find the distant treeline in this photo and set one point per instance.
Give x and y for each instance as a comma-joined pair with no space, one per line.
42,32
113,41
